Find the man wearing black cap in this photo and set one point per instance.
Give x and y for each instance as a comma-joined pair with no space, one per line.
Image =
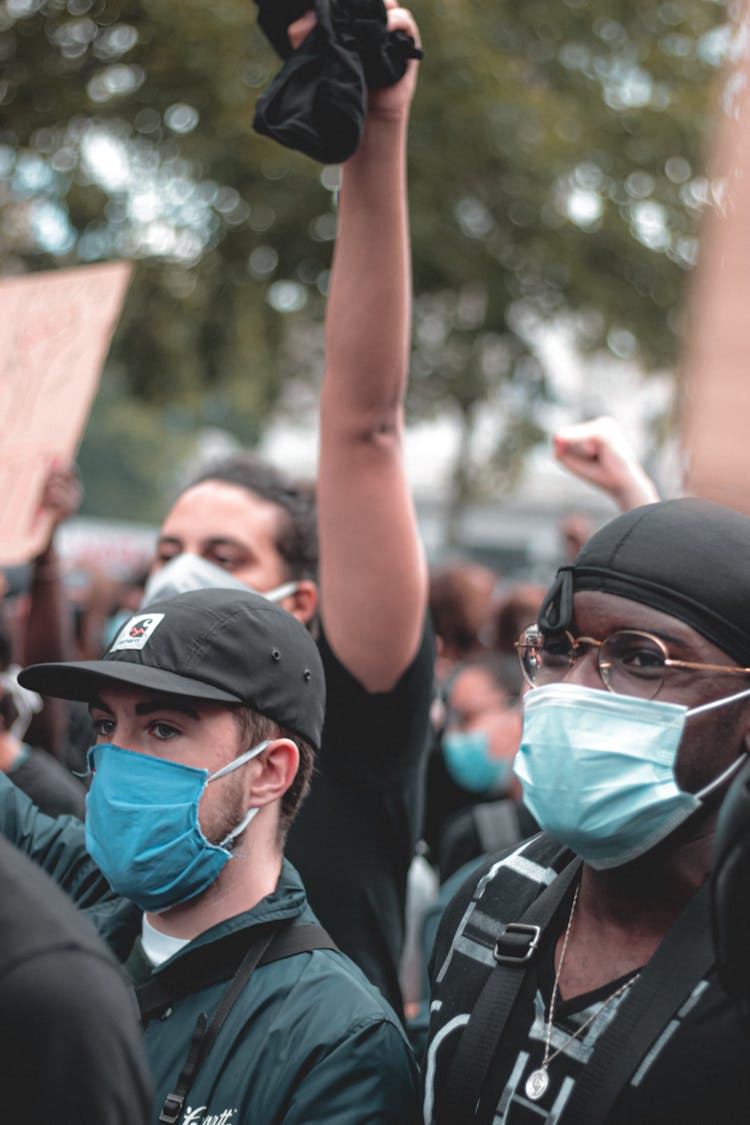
207,711
574,978
355,838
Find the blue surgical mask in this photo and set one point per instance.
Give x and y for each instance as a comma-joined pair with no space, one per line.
187,572
597,770
142,826
468,761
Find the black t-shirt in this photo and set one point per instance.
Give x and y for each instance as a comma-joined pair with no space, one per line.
354,838
695,1072
70,1041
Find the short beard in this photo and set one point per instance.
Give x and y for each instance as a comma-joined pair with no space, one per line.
228,817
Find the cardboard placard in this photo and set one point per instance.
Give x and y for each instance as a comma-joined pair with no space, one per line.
55,332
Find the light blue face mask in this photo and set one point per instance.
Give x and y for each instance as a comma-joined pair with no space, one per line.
468,761
597,770
142,826
187,572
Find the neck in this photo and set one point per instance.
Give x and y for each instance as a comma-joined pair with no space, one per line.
250,875
624,913
654,889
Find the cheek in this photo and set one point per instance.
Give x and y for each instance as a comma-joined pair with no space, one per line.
710,743
262,574
505,734
221,808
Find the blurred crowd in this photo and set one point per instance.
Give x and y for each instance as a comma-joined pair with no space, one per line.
294,830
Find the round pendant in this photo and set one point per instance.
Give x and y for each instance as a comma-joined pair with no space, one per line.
536,1084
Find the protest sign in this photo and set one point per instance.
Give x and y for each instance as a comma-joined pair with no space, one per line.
55,331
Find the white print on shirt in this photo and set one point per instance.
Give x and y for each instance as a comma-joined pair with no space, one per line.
193,1116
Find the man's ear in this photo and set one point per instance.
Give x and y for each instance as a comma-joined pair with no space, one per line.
278,764
303,603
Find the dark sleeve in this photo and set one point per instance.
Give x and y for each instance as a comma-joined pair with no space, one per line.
379,738
354,839
70,1043
381,1084
50,785
56,844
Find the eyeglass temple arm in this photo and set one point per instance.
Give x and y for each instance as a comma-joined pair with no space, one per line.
707,667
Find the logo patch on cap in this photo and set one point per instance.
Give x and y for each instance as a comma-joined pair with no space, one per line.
136,632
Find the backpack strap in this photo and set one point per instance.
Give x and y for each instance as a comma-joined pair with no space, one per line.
270,943
685,955
217,961
515,948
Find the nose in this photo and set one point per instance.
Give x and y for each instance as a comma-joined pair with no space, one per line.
585,670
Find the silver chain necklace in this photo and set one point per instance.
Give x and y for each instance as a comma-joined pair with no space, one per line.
538,1080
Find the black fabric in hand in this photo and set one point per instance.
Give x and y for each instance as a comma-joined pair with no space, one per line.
317,102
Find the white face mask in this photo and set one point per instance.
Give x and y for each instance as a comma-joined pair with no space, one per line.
187,572
597,769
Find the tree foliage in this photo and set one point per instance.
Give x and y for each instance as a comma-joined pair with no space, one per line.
556,168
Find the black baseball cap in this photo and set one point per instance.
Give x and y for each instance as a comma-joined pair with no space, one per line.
226,646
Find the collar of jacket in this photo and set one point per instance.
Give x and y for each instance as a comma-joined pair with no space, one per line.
287,901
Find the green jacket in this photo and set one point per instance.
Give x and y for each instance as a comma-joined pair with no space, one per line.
309,1039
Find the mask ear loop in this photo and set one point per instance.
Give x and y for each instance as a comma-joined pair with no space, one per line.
253,752
280,592
717,703
734,767
239,761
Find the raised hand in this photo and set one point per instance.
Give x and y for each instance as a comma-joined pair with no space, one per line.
598,452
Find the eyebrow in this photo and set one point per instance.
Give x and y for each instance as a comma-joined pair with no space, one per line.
149,706
214,541
668,638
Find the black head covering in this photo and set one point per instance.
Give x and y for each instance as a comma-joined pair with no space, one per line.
689,558
317,102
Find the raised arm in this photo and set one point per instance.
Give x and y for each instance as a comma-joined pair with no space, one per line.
598,452
373,576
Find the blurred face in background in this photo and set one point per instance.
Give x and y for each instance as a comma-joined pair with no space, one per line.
482,732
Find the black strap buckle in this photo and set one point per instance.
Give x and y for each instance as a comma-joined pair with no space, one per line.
517,943
171,1110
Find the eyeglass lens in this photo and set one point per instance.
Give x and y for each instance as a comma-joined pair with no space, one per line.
629,662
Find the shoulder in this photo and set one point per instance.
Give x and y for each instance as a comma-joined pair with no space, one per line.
63,996
364,1068
334,1048
40,929
335,995
496,892
50,786
34,912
